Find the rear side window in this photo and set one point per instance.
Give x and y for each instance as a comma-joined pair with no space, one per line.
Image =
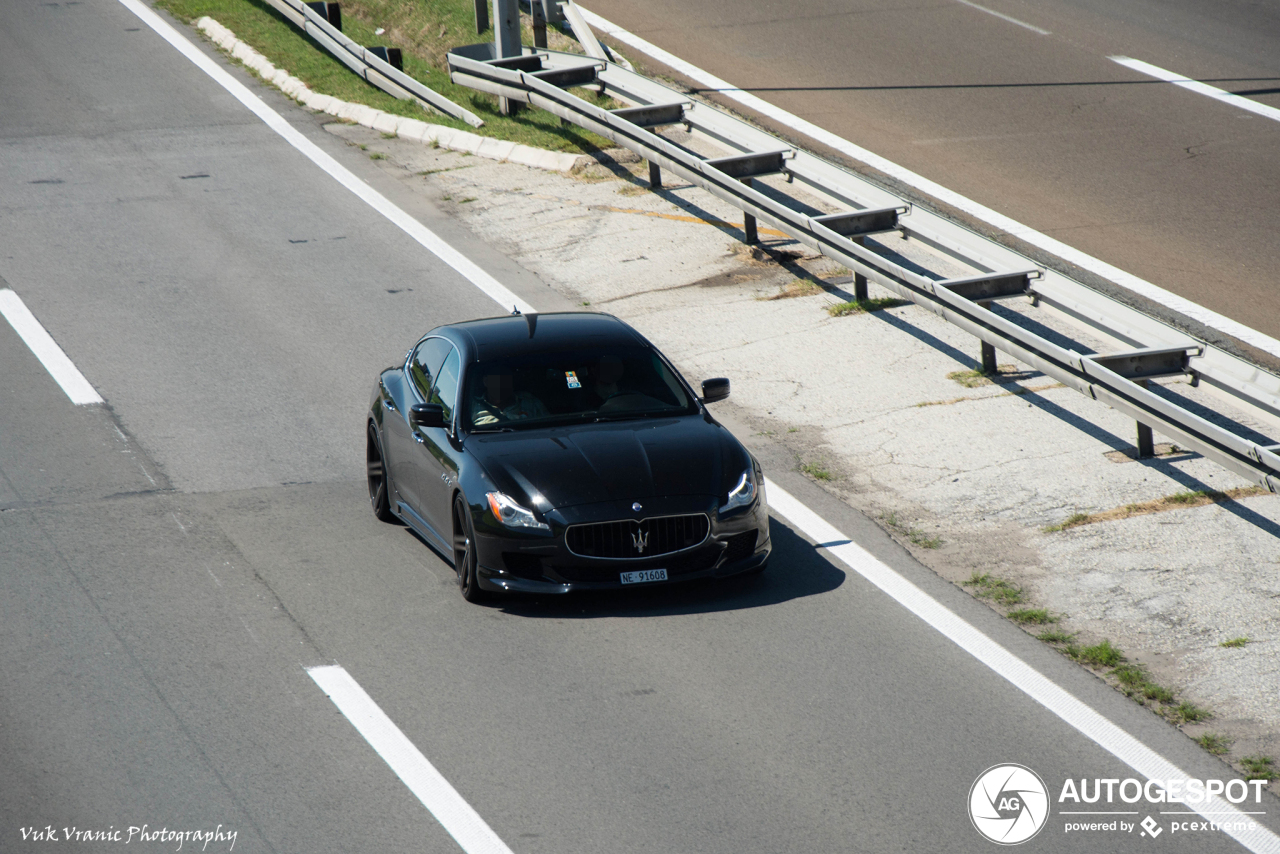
445,391
426,362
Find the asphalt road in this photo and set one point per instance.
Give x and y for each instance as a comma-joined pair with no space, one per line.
170,562
1167,184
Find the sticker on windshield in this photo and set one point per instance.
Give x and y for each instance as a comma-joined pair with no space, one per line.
572,379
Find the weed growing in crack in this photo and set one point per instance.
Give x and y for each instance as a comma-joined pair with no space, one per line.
816,471
996,589
1234,643
1258,767
1216,744
1032,616
1101,654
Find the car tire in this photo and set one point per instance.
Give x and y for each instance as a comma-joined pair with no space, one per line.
464,552
379,478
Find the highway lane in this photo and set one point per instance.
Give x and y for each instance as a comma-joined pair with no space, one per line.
1169,185
172,561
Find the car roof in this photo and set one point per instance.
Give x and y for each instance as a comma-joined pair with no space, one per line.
496,337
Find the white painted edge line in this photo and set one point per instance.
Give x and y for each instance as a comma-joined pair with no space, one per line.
1127,280
1197,87
55,361
410,226
462,822
1021,675
1005,17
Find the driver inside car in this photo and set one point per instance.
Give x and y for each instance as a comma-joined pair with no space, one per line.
501,402
609,371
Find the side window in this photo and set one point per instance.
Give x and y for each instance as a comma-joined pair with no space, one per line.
445,392
425,364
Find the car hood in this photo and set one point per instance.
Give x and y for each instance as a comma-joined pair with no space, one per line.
623,461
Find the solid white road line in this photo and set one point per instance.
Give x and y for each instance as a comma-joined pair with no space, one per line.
463,823
419,232
1025,678
55,361
1127,280
1005,17
1197,87
455,814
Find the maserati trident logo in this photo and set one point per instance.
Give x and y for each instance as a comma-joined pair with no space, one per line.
636,506
640,539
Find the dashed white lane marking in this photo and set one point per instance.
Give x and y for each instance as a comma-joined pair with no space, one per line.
1127,280
1005,17
55,361
1197,87
410,226
1021,675
462,822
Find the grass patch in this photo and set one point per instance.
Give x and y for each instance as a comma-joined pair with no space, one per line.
816,471
1234,643
1101,654
1152,691
913,534
1258,767
1131,675
1216,744
1176,501
996,589
862,306
970,379
1032,616
795,288
1186,712
1056,636
425,32
1070,522
377,155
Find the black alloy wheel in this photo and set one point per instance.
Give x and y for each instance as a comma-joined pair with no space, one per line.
464,553
379,479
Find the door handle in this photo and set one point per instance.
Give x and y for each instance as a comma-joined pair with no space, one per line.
419,438
388,404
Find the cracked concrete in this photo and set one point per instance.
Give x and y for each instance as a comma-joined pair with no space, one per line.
867,397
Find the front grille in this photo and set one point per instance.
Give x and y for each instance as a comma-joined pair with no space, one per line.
684,564
740,546
631,539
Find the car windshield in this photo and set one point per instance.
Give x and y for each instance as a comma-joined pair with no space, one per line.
546,389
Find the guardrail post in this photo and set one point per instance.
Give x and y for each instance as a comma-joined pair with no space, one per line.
506,42
539,24
989,365
655,176
859,280
1146,442
482,16
749,222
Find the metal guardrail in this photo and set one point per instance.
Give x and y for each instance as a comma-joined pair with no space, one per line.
368,64
1156,349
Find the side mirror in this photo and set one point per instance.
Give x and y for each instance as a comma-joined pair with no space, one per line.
715,389
426,415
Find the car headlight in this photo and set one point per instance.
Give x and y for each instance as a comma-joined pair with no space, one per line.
741,495
511,514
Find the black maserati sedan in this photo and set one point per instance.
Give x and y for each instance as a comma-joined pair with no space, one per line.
547,453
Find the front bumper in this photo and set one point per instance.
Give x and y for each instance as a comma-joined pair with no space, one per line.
513,564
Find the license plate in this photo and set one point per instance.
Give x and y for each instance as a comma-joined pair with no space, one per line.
643,575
